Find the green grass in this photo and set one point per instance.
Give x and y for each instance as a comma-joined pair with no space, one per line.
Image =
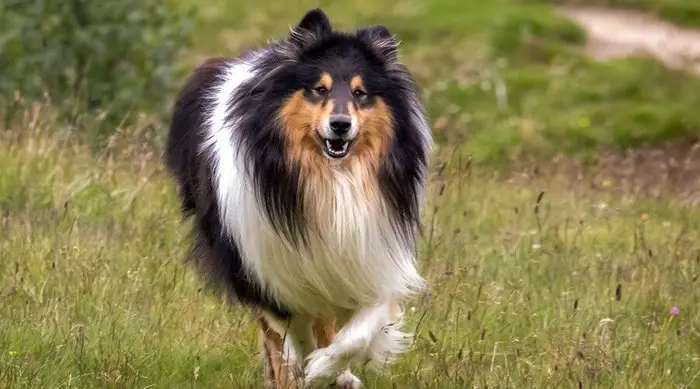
94,294
572,292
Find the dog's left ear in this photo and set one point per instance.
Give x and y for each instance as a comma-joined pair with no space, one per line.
313,26
382,40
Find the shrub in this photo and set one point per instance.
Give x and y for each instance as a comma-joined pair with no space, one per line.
108,56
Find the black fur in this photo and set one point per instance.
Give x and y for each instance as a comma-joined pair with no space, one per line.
215,256
293,63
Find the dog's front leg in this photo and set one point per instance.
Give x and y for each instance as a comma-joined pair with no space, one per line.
286,343
371,333
325,330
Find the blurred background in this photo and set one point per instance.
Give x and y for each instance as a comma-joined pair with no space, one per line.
561,230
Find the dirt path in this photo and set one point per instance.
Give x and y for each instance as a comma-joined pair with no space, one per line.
619,33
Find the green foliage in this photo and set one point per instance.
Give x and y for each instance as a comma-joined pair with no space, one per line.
533,34
113,56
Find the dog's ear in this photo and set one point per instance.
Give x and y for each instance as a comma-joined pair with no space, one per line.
317,22
381,40
313,26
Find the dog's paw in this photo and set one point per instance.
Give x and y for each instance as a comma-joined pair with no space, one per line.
321,369
347,380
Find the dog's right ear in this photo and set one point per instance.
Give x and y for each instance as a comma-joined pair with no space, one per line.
313,26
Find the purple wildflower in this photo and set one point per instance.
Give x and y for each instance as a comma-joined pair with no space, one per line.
674,311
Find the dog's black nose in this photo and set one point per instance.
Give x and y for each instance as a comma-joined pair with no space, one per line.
340,124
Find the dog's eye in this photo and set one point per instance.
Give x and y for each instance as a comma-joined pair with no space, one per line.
358,93
321,90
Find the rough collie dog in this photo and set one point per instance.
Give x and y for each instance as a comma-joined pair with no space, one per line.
303,165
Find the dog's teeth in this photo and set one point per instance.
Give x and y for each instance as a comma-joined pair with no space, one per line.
336,150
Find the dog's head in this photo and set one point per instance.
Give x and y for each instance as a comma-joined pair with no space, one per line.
339,90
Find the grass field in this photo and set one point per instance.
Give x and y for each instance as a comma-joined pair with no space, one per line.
550,282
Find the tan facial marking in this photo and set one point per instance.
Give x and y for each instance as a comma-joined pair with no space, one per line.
300,118
357,83
375,134
326,80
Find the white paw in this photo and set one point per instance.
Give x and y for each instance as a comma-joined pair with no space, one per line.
347,381
322,368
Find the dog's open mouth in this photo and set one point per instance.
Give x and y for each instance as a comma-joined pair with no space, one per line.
336,148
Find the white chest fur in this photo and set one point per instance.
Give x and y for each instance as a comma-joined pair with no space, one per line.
353,258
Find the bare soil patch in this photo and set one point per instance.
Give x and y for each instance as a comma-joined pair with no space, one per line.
669,169
621,33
